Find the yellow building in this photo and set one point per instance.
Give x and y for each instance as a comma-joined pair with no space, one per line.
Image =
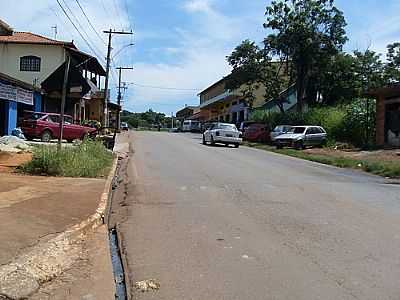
218,103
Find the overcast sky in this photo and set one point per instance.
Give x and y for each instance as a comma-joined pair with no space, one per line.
182,43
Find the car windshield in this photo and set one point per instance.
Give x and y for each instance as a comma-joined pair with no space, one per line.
297,130
226,127
34,116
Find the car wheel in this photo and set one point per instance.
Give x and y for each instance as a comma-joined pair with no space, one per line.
236,145
46,136
69,141
299,145
29,138
204,140
212,142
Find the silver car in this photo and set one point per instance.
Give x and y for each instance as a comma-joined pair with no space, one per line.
222,133
279,130
302,136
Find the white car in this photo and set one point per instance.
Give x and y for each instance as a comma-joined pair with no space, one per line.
279,130
302,136
223,133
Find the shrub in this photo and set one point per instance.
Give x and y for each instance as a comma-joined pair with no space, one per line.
360,115
89,159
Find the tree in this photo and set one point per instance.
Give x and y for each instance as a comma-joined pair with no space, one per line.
245,61
251,67
368,70
304,32
336,80
392,69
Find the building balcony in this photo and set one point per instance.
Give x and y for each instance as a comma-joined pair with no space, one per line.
226,96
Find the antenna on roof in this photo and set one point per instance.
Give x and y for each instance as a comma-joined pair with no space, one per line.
55,31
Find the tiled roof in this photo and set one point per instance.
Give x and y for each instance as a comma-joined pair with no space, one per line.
30,38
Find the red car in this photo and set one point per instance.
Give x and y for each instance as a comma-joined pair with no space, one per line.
46,126
257,133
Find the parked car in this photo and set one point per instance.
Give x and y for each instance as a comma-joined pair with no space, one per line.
191,126
124,126
279,130
223,133
302,136
46,126
257,133
245,124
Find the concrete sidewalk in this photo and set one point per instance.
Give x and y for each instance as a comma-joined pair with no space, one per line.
35,209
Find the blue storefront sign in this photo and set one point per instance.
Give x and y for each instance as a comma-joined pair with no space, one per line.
11,95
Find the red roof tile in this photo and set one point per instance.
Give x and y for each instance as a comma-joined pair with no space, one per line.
31,38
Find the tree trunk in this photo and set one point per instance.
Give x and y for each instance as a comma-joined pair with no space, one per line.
300,86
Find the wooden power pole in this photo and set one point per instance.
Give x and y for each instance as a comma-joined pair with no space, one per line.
63,100
106,94
120,95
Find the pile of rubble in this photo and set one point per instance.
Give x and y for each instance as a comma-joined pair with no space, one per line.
13,144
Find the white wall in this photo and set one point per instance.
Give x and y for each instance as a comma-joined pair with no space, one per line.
52,56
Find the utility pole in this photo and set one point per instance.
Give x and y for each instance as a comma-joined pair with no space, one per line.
172,120
63,100
106,95
120,95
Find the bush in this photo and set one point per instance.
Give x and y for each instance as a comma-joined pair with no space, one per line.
360,115
89,159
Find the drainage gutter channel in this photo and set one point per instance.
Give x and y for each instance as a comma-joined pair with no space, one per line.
118,268
116,260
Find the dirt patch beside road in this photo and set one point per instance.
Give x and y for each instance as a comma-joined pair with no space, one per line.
379,155
9,161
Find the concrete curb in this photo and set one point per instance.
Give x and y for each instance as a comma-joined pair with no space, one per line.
23,276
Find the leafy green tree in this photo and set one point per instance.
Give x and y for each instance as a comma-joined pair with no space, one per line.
245,61
251,67
335,81
392,69
368,70
304,32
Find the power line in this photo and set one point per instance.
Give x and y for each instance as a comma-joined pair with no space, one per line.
160,87
76,28
117,13
58,17
128,14
90,23
93,47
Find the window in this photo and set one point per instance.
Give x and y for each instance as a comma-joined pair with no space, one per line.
53,119
30,64
68,120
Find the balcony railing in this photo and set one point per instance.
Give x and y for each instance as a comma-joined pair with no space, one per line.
220,97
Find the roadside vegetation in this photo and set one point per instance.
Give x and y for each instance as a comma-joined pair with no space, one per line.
149,120
89,159
352,123
374,165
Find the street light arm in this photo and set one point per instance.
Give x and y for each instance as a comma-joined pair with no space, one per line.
120,50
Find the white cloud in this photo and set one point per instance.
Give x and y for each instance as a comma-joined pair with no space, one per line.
198,6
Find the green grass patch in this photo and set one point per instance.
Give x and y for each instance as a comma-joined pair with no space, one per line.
383,168
89,159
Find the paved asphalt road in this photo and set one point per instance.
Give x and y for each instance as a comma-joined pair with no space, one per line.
224,223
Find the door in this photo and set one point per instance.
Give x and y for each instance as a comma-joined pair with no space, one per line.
308,141
71,131
53,123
